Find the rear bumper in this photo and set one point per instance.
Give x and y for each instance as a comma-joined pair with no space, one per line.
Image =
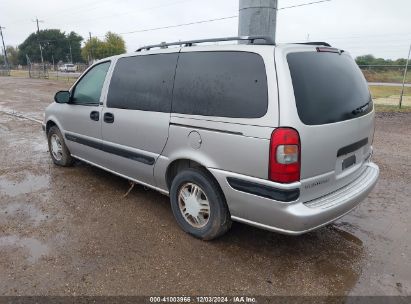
295,217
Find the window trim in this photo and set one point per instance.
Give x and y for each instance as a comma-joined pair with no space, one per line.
73,88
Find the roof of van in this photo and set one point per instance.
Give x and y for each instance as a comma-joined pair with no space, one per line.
254,41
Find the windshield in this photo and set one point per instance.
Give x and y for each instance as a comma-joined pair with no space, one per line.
328,87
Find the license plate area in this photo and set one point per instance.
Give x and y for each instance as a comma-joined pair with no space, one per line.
348,162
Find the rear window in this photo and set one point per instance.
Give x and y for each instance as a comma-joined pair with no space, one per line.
328,87
223,84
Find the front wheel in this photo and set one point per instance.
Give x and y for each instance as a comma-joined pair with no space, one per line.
58,150
199,205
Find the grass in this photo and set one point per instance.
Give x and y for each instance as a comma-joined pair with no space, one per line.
391,108
385,91
386,76
25,74
19,73
386,99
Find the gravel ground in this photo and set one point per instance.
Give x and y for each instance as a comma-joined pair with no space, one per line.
70,231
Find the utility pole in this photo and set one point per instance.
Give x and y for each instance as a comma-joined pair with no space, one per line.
52,55
91,48
71,54
38,39
257,17
4,47
405,76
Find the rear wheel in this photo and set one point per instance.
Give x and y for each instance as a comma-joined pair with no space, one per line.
58,150
199,205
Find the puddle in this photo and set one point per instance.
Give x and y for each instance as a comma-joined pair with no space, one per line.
24,210
35,248
30,183
4,128
346,234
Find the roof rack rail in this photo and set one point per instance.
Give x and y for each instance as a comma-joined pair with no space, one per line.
251,39
315,43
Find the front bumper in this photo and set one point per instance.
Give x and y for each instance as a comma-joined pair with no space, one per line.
295,217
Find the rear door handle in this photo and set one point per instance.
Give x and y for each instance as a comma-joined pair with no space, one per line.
94,115
108,117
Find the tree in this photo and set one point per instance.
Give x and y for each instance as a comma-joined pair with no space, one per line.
401,61
92,49
12,55
115,45
74,41
95,48
371,60
55,47
365,60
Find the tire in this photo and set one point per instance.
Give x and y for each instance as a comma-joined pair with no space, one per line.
63,157
205,227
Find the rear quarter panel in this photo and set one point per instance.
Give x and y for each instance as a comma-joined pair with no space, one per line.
232,144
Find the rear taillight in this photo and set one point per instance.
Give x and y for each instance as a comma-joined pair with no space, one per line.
285,156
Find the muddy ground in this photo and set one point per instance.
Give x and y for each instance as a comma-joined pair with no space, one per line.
69,231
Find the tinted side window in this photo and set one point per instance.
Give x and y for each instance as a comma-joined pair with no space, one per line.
143,83
88,89
225,84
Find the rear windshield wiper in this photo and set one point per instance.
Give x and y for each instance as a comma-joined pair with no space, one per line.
361,109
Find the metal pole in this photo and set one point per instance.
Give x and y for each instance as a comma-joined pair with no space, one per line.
71,55
257,17
4,48
28,64
91,49
405,76
38,38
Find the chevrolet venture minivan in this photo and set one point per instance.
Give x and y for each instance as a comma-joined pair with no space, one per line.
274,136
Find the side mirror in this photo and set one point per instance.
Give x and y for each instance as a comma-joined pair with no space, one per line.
62,97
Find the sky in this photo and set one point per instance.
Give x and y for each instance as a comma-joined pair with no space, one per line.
378,27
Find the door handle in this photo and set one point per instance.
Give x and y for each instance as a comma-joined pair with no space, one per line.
108,117
94,115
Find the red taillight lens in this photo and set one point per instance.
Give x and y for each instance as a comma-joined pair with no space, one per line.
285,156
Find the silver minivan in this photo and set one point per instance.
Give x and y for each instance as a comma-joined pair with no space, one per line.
274,136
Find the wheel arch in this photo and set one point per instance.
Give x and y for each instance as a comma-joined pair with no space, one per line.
180,164
177,166
51,121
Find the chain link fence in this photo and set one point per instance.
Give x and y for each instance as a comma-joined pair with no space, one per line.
46,71
4,71
37,70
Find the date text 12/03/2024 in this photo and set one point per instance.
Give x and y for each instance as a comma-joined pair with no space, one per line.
202,299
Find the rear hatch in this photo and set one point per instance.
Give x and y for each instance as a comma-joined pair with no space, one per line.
325,97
